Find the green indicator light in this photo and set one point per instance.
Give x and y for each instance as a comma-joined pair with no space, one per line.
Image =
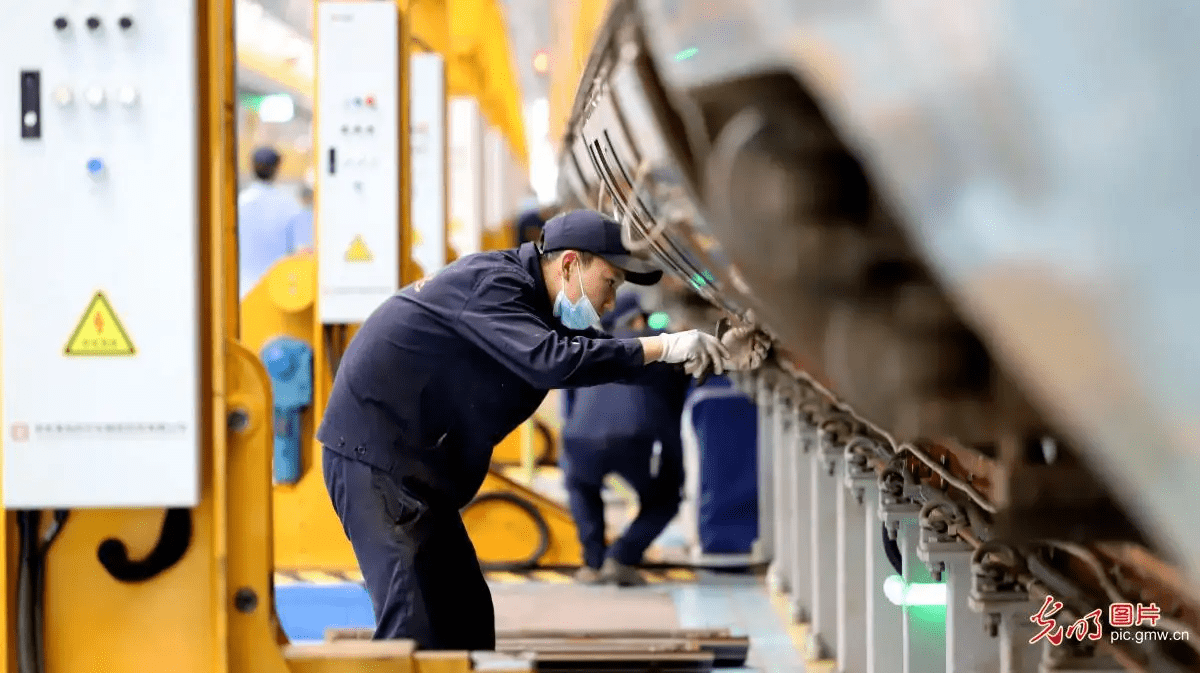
901,593
658,320
252,101
686,54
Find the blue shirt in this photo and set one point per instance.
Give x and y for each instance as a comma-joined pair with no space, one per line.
267,221
450,365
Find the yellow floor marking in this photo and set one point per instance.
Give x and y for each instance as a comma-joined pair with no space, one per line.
505,577
551,576
799,636
318,577
681,575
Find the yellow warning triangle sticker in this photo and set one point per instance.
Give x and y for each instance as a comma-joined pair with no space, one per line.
358,251
99,332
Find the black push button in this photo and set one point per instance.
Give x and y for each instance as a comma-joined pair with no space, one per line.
125,22
61,23
93,23
31,104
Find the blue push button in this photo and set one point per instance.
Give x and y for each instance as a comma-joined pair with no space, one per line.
94,166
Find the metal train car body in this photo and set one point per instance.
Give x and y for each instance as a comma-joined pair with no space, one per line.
968,223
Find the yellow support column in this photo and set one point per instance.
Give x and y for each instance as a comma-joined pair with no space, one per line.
308,535
470,34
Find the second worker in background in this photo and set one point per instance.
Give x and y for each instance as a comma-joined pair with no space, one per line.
632,430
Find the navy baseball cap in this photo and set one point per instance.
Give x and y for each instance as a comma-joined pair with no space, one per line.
626,306
590,231
265,156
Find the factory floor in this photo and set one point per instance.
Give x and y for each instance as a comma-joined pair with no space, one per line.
673,598
550,600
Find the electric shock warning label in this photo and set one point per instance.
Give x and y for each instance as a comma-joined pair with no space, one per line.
99,332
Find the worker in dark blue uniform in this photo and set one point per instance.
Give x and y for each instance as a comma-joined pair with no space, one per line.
616,429
440,373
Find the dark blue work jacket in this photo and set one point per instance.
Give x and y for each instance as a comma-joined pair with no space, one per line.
650,408
448,366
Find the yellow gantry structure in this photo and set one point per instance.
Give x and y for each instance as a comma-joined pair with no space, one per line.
470,34
574,26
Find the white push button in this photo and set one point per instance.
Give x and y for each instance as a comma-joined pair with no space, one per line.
94,96
30,119
127,96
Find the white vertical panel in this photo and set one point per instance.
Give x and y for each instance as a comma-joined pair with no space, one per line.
427,115
466,175
358,178
99,254
494,168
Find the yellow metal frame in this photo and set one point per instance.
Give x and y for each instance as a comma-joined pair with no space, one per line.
308,535
575,25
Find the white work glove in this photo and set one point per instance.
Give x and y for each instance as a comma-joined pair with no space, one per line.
747,347
700,352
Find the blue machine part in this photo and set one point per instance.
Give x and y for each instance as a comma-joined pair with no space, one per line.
725,423
289,363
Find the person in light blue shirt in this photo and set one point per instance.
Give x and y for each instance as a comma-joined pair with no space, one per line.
268,217
300,227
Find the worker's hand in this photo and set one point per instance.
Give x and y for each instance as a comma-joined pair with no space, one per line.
699,352
747,347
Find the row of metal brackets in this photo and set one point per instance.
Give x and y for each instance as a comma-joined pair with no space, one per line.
829,509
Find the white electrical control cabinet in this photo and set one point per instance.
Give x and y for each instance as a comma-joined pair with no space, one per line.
493,179
466,176
358,178
99,254
427,153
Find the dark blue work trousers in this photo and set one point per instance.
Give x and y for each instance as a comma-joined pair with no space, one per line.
589,461
419,565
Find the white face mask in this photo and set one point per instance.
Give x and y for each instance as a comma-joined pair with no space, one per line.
579,315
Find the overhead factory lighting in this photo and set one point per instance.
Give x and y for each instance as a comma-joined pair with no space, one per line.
276,108
541,62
